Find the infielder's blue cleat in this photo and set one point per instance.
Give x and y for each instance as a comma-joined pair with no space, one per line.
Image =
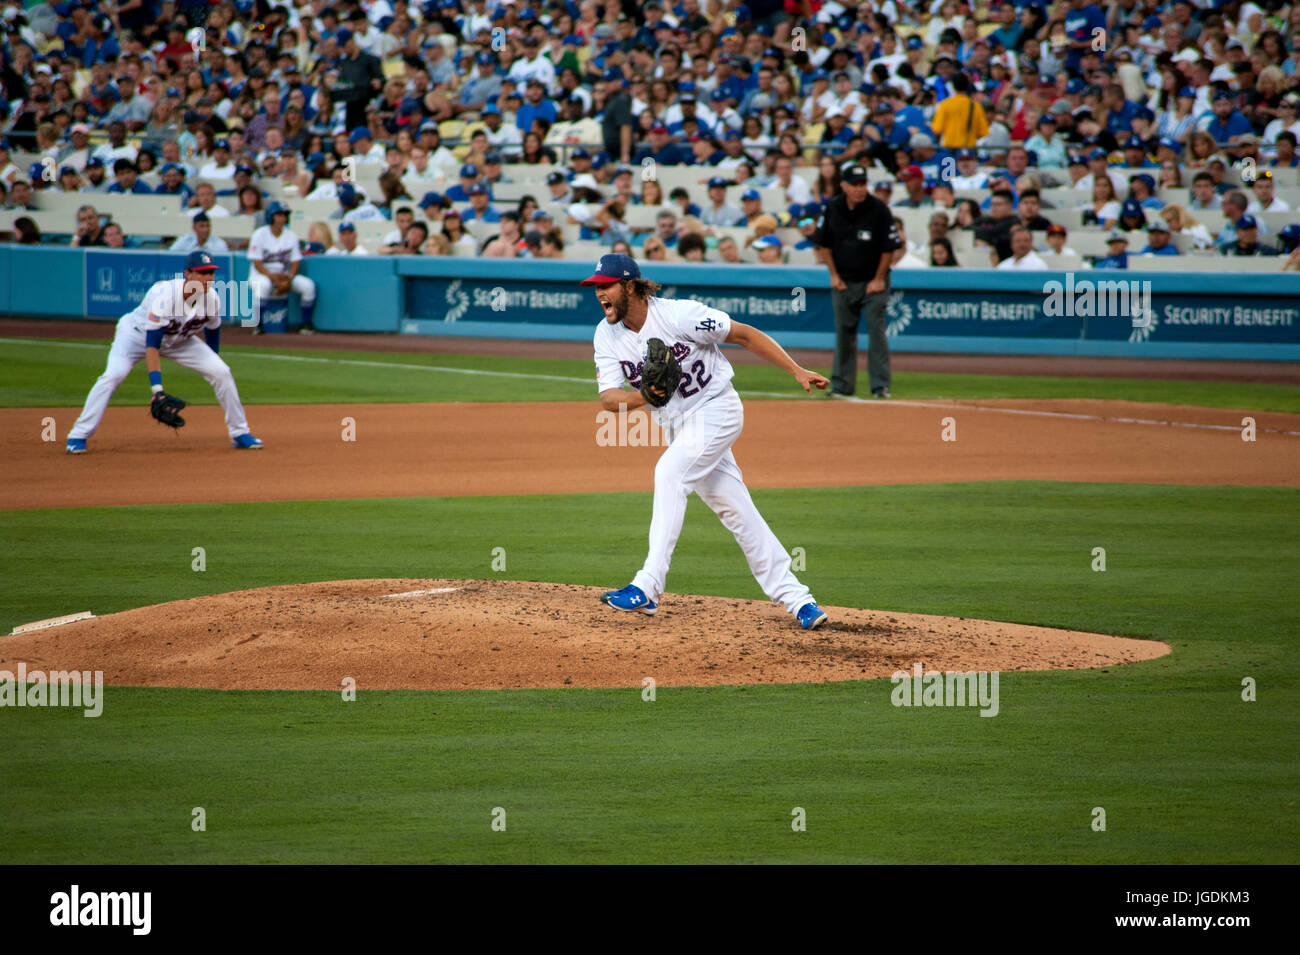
248,441
630,597
76,445
811,616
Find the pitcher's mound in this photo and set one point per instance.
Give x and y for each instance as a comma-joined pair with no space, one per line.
493,634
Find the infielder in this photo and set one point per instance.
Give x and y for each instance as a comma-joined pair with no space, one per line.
275,258
167,323
668,349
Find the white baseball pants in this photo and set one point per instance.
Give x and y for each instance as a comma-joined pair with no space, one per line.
699,459
192,353
262,290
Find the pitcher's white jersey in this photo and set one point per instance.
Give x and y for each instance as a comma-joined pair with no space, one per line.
179,312
693,331
274,252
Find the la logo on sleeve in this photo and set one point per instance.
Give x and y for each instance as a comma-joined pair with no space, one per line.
864,235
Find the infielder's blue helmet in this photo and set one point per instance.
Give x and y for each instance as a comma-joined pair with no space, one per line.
200,261
276,208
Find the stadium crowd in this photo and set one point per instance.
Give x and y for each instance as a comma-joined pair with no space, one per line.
688,130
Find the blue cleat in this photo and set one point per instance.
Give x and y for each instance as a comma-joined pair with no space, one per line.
76,445
248,441
630,597
811,616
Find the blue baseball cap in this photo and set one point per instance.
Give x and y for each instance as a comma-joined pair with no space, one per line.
767,242
200,261
1187,92
580,153
1247,222
1078,160
343,35
490,109
1144,112
1074,86
469,171
358,134
485,59
717,181
1173,144
1220,94
431,199
613,267
1134,142
478,189
1131,207
915,43
347,227
750,194
613,73
1098,153
718,95
812,210
1145,178
347,193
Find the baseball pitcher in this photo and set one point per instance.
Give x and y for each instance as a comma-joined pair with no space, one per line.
668,349
167,323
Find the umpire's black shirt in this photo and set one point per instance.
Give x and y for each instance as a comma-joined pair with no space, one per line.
857,237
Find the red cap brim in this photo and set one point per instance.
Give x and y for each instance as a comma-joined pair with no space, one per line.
599,280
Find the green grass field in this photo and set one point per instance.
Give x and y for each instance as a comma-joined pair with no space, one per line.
45,374
1185,770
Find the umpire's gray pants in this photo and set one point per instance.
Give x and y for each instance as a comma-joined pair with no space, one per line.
848,307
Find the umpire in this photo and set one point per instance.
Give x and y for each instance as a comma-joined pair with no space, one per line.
856,240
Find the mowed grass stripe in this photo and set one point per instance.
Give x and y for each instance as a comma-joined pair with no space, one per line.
35,373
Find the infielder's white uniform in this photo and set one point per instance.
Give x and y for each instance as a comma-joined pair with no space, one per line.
276,253
165,307
703,420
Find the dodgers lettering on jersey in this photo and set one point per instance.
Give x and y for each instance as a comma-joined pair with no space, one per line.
274,252
693,331
178,311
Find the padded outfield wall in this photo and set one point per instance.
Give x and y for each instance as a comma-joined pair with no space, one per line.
1130,314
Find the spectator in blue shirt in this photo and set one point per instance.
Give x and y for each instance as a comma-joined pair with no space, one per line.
1227,124
1117,249
1158,240
662,150
1082,21
1120,111
469,177
535,105
479,210
1135,155
125,172
174,184
1142,187
99,46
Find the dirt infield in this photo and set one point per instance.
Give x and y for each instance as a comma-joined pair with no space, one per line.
525,448
483,634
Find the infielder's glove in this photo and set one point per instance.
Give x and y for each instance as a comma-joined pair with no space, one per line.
660,373
166,409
